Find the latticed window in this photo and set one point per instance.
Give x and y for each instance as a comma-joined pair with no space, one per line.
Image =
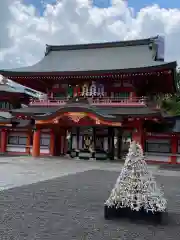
158,145
59,95
45,140
5,105
17,140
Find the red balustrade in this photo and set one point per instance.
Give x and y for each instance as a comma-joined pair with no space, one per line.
48,102
119,101
101,101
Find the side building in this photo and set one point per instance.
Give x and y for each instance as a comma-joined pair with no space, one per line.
11,98
99,96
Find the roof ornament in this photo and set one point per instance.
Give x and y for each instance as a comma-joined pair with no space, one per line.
48,48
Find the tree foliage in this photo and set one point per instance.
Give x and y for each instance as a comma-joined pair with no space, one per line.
171,102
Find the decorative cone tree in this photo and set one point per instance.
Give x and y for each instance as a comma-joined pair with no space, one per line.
135,193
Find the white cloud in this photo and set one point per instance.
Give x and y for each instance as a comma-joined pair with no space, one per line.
24,32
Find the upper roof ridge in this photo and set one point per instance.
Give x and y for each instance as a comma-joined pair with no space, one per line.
125,43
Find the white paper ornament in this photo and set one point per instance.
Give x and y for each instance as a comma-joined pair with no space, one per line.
135,187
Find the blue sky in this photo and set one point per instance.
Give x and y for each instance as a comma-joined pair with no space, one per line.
24,35
136,4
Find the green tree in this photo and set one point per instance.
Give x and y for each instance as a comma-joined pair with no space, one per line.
171,102
178,78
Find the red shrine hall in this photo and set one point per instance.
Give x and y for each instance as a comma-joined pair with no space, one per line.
97,98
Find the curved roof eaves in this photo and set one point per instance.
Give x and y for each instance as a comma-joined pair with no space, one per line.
75,109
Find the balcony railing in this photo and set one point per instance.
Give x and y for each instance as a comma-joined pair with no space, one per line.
118,101
101,101
48,102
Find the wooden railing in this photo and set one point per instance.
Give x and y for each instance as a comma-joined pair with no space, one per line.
48,102
102,101
118,101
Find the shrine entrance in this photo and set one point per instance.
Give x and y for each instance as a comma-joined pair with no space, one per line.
89,142
84,135
99,143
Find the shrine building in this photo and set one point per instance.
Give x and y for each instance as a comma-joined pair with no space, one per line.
97,98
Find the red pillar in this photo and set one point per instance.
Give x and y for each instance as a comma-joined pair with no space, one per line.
65,142
52,143
3,140
174,145
36,143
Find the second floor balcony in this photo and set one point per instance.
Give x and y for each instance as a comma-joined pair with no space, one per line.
97,101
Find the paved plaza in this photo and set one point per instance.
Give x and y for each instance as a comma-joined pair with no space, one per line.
62,199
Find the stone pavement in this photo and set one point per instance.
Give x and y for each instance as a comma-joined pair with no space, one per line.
18,171
71,208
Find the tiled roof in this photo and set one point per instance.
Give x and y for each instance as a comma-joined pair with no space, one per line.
23,123
135,55
108,112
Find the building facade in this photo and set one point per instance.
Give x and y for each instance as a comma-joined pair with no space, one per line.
99,97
